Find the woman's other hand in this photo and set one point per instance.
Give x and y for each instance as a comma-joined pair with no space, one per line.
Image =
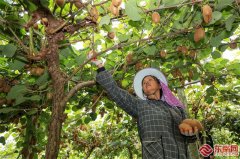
92,55
187,129
193,123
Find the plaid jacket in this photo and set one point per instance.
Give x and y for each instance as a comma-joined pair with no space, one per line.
157,122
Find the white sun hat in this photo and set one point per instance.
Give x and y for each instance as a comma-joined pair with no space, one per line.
137,83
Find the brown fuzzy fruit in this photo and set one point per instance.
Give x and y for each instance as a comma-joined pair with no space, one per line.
233,45
178,72
138,66
44,21
184,127
114,10
94,14
174,73
116,3
2,82
199,34
202,81
78,4
60,3
193,123
35,26
10,101
184,50
111,35
3,101
39,71
155,17
190,74
131,91
6,88
129,58
163,54
207,13
193,54
179,48
49,96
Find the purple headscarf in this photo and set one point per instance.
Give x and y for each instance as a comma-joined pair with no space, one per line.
169,97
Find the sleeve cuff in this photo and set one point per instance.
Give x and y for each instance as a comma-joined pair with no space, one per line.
100,69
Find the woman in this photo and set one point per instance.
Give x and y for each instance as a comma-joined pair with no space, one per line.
158,112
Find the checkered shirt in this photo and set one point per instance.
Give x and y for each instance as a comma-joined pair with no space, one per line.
156,120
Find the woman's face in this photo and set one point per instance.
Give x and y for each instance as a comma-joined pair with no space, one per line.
150,85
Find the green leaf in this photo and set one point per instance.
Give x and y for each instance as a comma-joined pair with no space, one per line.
167,3
34,98
75,108
31,6
197,19
80,59
216,55
43,79
4,5
9,50
204,53
20,100
93,116
32,111
211,91
132,10
105,20
45,3
7,110
17,91
125,83
66,52
3,129
17,64
215,17
234,68
229,22
215,41
223,4
150,50
2,140
209,100
123,38
109,105
87,120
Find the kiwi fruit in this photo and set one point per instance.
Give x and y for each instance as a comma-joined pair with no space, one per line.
199,34
114,10
78,4
129,58
185,127
233,45
60,3
44,21
155,17
111,35
163,54
138,66
116,3
207,13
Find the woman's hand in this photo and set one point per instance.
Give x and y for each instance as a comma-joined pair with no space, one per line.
187,129
92,55
193,123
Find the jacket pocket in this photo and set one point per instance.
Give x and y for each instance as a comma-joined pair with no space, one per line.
153,149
